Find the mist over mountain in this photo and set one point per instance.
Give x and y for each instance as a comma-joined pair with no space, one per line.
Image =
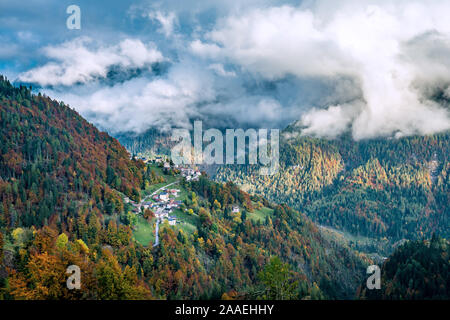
371,68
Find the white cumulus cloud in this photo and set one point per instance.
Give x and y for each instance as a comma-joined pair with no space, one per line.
82,60
138,104
365,40
166,20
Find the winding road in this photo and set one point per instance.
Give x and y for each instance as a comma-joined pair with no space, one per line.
156,233
154,192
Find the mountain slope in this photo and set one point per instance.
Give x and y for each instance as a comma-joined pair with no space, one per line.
392,189
234,247
62,184
417,270
50,157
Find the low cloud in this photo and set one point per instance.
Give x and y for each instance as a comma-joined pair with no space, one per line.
83,60
220,70
140,103
372,68
373,44
167,21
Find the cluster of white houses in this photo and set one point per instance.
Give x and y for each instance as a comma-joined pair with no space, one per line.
164,202
187,172
190,174
162,207
157,159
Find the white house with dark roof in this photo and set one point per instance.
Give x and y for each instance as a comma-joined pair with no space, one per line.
164,196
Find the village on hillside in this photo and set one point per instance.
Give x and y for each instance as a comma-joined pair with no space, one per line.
163,204
165,200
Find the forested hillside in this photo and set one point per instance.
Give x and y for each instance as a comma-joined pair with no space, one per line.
417,270
389,189
62,187
152,141
52,159
235,247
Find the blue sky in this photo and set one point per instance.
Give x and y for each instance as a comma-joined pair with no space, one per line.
368,67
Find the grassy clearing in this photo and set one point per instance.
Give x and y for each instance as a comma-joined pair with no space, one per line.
261,214
157,169
155,187
167,179
369,246
144,232
183,194
187,223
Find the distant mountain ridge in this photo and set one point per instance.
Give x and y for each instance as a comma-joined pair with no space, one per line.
394,188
